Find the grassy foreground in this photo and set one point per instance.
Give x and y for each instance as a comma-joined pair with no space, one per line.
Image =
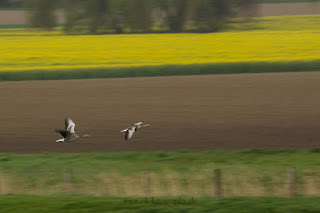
245,172
288,43
285,1
48,204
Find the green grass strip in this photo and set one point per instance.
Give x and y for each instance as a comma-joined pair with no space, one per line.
191,172
285,1
48,204
163,70
180,161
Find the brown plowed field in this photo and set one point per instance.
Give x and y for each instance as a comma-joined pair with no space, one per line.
278,110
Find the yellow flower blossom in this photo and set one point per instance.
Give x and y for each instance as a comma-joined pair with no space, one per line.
23,49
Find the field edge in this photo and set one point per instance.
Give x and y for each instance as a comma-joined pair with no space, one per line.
162,70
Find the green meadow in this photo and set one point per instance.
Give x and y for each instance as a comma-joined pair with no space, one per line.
244,172
58,203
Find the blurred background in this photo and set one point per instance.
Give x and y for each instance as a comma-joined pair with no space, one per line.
111,16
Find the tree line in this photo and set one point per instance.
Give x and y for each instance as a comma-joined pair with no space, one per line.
135,16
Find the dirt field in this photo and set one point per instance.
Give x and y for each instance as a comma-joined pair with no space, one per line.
278,110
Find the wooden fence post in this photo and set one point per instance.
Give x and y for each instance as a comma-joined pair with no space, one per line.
217,183
146,182
292,181
68,181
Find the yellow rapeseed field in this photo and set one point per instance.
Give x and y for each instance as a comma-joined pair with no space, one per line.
261,40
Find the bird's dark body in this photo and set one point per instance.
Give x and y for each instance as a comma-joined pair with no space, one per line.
133,128
69,137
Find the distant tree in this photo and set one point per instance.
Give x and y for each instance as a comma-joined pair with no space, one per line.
178,12
177,15
117,16
97,16
91,14
209,15
206,15
73,10
97,11
139,15
41,13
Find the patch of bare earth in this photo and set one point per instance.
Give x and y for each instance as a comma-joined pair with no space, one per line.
275,110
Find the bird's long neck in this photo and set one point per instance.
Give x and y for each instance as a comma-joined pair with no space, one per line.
142,126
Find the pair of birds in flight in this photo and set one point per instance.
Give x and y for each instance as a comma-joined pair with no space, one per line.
69,135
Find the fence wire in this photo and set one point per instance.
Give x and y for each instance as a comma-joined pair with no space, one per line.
152,183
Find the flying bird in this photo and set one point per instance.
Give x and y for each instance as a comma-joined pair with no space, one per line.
68,133
133,128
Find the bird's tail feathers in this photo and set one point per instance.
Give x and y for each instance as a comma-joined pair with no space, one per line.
124,130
